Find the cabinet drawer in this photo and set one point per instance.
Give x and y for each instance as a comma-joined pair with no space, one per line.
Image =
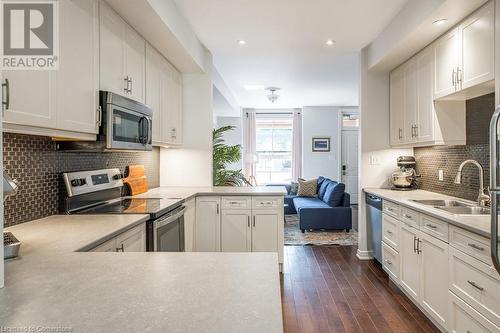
390,260
464,318
236,202
390,231
470,243
391,208
267,203
477,283
410,217
434,227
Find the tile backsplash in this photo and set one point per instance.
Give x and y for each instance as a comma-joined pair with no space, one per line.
35,163
448,158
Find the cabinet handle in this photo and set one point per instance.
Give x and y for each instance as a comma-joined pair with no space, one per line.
254,221
472,283
99,116
419,242
389,232
130,89
453,78
416,131
400,134
407,216
217,209
459,75
120,249
414,244
431,226
248,221
126,84
6,104
388,262
477,247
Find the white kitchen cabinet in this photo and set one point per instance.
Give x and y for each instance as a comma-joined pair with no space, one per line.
464,318
62,102
434,278
397,106
265,231
425,113
446,58
189,223
208,224
410,261
109,246
122,56
132,240
410,101
236,231
164,95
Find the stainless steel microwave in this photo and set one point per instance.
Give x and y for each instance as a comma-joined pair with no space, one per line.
125,124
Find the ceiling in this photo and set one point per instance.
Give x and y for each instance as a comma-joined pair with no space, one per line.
285,45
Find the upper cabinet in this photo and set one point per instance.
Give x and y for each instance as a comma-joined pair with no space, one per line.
62,102
122,56
464,57
164,95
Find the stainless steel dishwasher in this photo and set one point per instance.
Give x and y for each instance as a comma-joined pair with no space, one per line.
374,225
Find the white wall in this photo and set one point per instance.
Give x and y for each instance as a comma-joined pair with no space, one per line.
234,137
320,121
191,165
374,142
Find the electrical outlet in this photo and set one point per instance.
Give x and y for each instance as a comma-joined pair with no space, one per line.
440,175
374,160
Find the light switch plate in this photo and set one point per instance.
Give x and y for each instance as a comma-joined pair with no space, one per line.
374,160
440,175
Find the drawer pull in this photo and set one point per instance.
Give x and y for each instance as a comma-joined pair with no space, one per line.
432,226
407,216
388,262
389,232
477,247
389,209
233,202
472,283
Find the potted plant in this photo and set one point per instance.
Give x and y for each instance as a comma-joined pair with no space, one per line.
223,155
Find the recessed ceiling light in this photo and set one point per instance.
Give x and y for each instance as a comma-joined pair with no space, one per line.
241,42
440,21
330,42
252,87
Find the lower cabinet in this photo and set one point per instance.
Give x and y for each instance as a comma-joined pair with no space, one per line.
133,240
265,231
236,231
189,221
207,226
410,261
464,318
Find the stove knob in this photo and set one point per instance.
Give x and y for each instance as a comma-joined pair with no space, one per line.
118,176
78,182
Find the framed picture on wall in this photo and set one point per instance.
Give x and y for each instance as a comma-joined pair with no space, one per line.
321,144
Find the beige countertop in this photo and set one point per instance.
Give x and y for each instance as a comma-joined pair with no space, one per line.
479,224
51,285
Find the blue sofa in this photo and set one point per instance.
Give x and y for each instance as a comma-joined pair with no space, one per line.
329,209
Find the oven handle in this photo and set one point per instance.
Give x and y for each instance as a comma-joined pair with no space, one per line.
169,219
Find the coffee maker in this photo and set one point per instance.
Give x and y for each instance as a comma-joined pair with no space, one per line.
405,179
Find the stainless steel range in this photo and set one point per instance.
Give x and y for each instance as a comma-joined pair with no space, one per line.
100,192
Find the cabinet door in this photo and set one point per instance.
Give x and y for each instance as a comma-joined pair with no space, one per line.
477,47
109,246
410,261
189,222
133,240
236,233
78,74
207,227
397,93
425,101
154,90
265,231
446,59
434,278
112,51
173,106
410,101
135,63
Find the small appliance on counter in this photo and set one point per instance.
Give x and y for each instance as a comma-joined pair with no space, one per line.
405,179
11,244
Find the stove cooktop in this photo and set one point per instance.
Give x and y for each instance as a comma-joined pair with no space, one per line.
152,206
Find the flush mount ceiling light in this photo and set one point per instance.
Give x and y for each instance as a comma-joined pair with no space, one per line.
440,21
330,42
272,97
241,42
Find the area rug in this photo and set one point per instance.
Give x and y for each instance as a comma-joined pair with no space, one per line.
293,235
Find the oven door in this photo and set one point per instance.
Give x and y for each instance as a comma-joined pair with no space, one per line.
168,232
128,129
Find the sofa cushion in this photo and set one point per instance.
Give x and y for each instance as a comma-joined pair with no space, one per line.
304,202
334,194
322,188
307,188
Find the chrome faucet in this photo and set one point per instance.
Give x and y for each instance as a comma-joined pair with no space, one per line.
483,199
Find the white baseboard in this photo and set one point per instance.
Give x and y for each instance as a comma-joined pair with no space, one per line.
364,255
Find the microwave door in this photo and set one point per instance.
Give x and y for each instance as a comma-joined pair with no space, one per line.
128,129
494,187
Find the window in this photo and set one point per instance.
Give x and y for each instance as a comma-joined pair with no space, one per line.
274,148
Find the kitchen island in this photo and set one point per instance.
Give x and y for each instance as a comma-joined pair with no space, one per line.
54,287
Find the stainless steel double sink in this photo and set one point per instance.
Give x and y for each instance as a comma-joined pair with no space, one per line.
455,207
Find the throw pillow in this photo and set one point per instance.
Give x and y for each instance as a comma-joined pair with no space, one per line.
334,194
307,188
294,188
322,187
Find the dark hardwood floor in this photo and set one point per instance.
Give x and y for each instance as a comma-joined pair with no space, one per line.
327,289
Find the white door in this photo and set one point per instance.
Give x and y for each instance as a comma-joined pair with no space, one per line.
135,63
350,162
265,231
133,240
112,51
154,90
78,74
207,226
397,89
236,235
410,101
446,59
477,51
425,95
410,261
434,278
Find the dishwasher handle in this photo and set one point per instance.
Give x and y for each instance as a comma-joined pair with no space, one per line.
374,201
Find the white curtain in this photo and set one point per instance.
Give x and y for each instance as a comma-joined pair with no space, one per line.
250,156
297,145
